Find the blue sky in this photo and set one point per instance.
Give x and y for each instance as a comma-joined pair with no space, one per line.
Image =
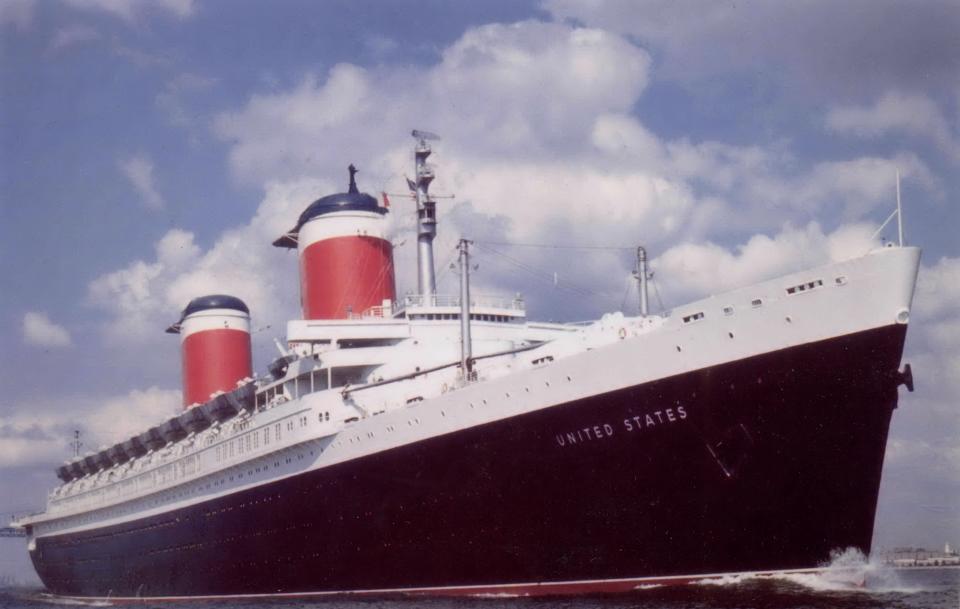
150,151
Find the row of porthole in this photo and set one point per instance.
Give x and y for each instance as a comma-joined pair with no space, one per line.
241,426
526,389
238,426
164,499
411,422
178,495
77,541
787,319
223,540
167,523
259,533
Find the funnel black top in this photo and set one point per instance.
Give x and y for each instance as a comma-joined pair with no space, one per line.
205,303
353,199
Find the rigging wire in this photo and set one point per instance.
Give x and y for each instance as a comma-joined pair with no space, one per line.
556,246
656,291
626,293
540,274
510,265
446,264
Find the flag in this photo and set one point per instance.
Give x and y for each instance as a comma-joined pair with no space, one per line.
386,200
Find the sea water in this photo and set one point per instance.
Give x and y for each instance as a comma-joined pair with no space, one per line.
849,582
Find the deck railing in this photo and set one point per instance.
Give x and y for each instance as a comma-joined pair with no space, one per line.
479,301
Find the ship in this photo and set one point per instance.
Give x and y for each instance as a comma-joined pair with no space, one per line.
442,444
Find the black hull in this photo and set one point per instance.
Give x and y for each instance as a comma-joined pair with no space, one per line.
767,463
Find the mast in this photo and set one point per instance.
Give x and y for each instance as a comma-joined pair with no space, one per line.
899,212
76,445
642,276
466,346
426,216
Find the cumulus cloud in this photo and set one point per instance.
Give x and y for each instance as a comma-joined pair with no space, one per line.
72,35
863,184
697,269
26,442
40,331
147,295
516,105
938,289
535,114
540,142
138,170
135,295
912,114
817,48
130,10
33,434
518,91
116,418
767,184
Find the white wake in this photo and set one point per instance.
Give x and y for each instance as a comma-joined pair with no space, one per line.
846,571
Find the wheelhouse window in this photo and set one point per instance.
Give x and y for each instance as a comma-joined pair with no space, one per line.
347,375
320,379
304,385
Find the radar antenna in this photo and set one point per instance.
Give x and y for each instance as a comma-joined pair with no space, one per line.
424,136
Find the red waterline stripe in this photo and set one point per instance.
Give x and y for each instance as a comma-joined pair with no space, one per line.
523,589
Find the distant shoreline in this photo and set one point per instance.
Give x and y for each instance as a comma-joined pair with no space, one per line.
916,567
